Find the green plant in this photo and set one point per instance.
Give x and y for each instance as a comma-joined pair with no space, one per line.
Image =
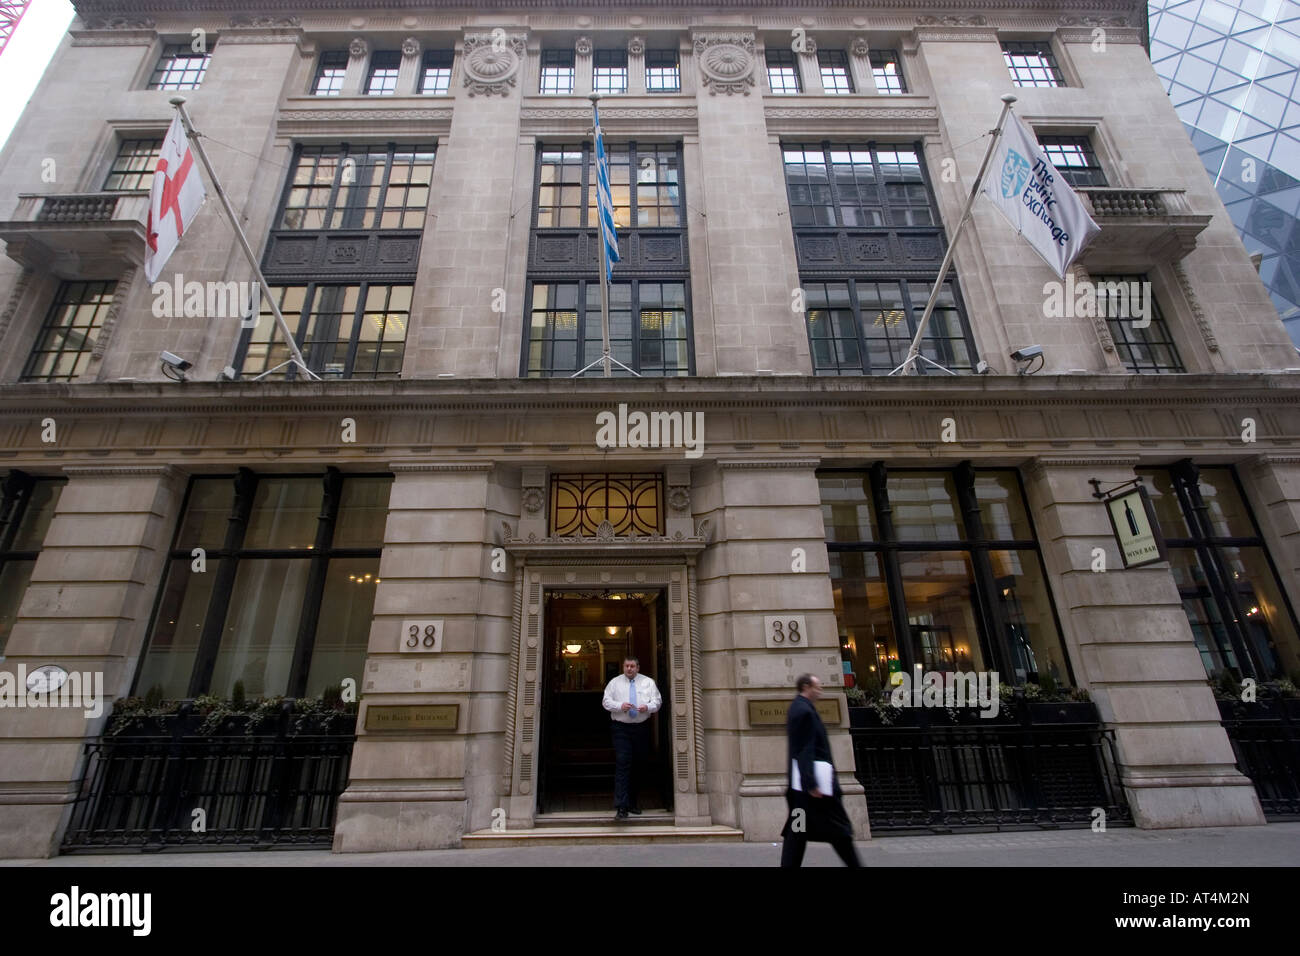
1227,687
1051,690
153,697
237,700
856,696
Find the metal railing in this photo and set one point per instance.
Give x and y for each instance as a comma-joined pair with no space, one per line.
1266,741
183,790
943,778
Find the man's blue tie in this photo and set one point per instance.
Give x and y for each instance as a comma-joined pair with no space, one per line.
631,695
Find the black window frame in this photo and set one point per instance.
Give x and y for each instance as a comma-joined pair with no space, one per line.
782,59
842,66
439,62
1027,74
614,61
335,62
977,544
389,63
673,68
166,67
1088,173
61,305
354,209
17,491
552,59
227,559
878,61
134,175
1127,338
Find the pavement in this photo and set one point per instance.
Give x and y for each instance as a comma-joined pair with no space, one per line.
1276,844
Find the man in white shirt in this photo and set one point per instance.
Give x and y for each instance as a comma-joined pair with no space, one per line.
630,699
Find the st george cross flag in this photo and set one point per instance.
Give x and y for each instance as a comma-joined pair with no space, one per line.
606,202
174,200
1032,194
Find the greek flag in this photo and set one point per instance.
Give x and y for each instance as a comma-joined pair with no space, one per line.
606,202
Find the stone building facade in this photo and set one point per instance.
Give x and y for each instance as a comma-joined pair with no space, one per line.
415,178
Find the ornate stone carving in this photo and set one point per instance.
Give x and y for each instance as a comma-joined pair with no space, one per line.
861,46
583,46
605,531
11,307
361,115
1093,21
492,66
636,46
679,498
969,21
410,47
241,20
358,47
1098,321
532,500
853,113
110,318
726,62
1202,322
809,45
120,23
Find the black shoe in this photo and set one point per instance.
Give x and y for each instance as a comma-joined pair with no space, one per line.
621,814
634,810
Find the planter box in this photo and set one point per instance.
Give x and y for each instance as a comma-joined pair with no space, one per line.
1063,712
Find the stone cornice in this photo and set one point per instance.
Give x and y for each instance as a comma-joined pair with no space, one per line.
110,8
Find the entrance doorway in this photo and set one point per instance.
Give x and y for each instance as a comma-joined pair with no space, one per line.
588,633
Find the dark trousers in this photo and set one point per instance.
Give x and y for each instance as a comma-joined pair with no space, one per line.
792,850
631,744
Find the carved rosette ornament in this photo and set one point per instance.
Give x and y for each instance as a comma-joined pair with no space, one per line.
860,46
636,46
583,46
358,47
726,62
491,65
410,47
679,498
532,500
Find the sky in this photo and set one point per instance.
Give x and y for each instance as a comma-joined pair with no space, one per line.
25,57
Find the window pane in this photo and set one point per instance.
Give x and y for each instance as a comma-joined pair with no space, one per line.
846,508
179,68
1169,513
169,661
285,512
1002,509
782,71
863,616
662,73
363,513
1035,642
1203,614
261,627
38,512
343,630
939,589
1227,511
925,506
207,516
1267,622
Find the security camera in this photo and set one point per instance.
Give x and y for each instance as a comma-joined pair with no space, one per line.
227,374
1027,353
982,368
173,366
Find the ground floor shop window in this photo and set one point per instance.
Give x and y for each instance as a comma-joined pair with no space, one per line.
270,585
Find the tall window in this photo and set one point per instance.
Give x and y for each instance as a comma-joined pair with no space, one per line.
834,66
1239,614
435,79
285,602
26,508
67,337
557,71
782,71
358,187
1074,159
179,68
887,72
330,72
867,235
610,71
343,331
1032,63
663,72
384,66
134,165
649,308
941,569
1143,348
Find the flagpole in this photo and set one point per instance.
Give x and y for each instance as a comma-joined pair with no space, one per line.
294,352
606,359
914,352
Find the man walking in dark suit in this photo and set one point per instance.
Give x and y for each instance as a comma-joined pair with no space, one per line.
812,791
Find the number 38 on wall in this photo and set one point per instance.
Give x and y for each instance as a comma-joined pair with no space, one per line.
785,632
419,637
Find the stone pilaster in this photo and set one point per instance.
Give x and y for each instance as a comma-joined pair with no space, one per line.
413,790
1132,648
87,610
1272,485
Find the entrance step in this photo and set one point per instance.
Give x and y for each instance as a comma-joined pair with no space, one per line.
552,832
601,818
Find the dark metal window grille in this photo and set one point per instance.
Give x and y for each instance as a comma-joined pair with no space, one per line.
632,504
1147,351
887,71
67,337
362,187
330,73
782,71
384,67
436,76
134,165
1032,63
26,508
344,331
610,71
834,65
1074,158
287,558
557,71
179,68
663,72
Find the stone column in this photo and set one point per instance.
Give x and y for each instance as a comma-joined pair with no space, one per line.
765,513
408,76
1132,648
87,610
636,66
354,80
411,789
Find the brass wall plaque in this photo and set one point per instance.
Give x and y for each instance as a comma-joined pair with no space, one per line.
766,713
436,717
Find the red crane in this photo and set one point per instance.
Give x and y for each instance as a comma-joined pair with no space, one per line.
11,11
